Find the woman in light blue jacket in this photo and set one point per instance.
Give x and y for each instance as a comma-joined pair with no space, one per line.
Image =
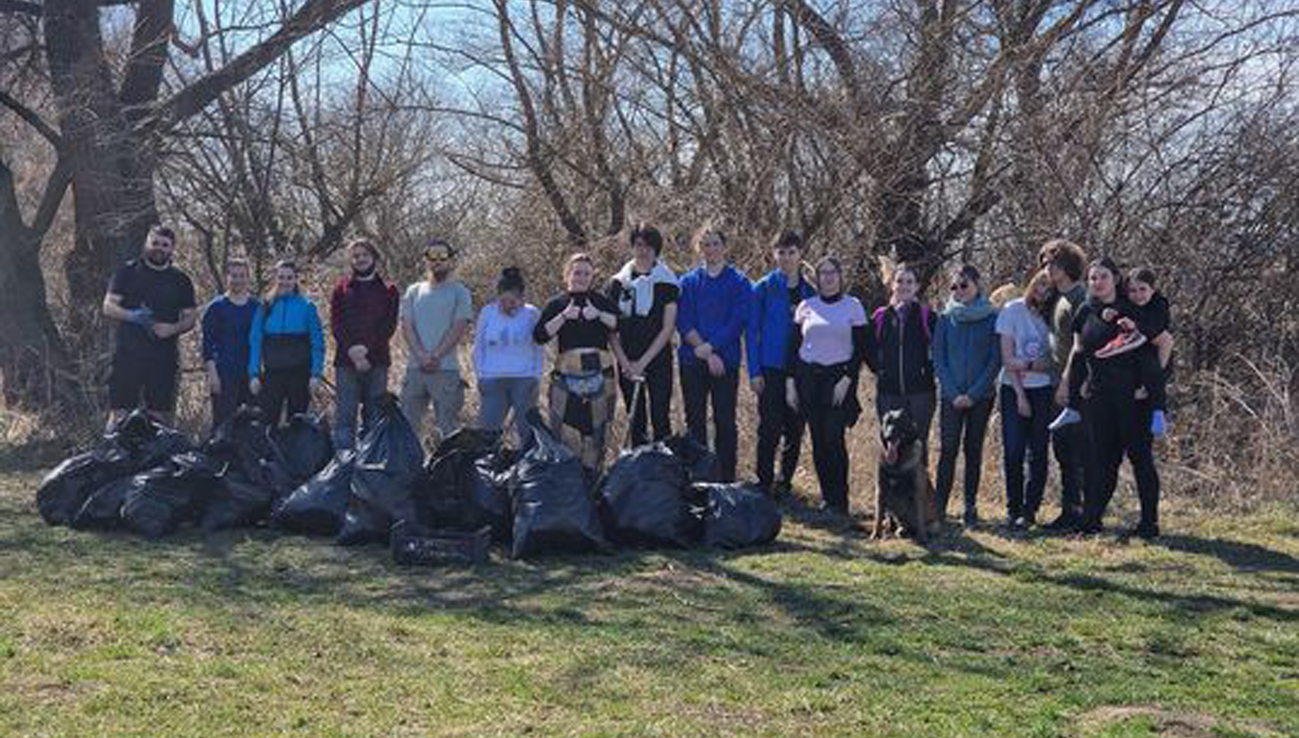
286,348
966,359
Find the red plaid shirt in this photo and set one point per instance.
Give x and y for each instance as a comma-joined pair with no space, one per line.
363,311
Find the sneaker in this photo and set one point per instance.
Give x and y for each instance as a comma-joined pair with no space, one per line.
1144,532
1121,344
1090,529
1017,523
970,519
1065,522
1067,416
1158,425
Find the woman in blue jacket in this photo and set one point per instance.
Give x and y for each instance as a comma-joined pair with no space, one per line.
286,348
967,355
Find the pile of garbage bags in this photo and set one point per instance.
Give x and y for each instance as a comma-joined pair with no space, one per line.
150,480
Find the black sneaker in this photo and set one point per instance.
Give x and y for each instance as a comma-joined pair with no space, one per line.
1065,522
1090,529
1144,532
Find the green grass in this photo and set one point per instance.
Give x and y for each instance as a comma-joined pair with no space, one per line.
825,634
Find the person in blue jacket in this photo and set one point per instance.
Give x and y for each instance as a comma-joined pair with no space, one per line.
286,348
227,325
767,336
713,311
967,355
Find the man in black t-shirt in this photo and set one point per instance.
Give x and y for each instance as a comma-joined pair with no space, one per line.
153,302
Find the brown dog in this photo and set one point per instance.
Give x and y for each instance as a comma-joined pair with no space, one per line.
904,497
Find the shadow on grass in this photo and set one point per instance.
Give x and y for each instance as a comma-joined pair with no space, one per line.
1239,555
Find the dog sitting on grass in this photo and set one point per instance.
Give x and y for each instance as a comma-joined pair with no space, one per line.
904,497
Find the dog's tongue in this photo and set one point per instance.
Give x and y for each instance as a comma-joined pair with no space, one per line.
891,452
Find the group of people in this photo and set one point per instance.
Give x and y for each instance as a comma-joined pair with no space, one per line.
1093,356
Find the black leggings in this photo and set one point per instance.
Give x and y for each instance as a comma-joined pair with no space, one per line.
1121,427
961,430
283,388
828,425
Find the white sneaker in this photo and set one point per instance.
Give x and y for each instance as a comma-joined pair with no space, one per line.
1067,416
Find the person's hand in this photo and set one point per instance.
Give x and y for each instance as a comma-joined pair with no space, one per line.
1062,395
636,369
1086,389
362,364
703,351
757,384
163,331
358,353
141,316
590,312
791,395
716,366
841,390
213,382
314,385
255,386
1127,325
1109,314
962,402
1023,406
572,312
1141,394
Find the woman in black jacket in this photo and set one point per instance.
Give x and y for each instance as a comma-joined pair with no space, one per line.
898,353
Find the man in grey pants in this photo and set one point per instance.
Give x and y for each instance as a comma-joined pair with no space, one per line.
435,315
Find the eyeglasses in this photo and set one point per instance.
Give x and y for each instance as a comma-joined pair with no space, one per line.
959,286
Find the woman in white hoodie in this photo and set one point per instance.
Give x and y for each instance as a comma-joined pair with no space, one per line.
507,362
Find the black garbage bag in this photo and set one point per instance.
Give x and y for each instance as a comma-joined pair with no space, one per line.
318,507
467,489
103,509
236,503
738,516
135,443
65,489
645,500
165,498
476,441
553,511
254,468
389,470
305,446
700,463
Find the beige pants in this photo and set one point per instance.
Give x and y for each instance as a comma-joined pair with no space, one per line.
444,389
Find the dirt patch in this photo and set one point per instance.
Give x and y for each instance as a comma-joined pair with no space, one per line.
1171,723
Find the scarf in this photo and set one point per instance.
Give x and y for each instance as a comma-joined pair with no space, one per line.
972,313
637,293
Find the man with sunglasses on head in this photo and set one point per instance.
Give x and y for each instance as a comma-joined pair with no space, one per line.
435,315
153,303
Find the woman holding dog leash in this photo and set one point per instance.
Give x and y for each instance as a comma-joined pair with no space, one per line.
826,354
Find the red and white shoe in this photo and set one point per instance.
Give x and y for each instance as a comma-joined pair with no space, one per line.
1121,344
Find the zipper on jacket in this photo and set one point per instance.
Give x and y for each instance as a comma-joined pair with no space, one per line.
902,334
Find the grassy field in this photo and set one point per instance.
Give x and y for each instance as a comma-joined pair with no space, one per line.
825,634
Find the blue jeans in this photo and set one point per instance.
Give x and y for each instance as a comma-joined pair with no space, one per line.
353,388
500,395
1025,439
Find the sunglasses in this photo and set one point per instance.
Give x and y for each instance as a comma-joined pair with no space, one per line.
959,285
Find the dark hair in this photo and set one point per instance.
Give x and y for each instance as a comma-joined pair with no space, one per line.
1112,267
787,240
1144,275
164,231
650,236
367,245
1066,256
969,273
439,242
511,281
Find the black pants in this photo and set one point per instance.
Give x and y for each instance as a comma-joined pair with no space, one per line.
285,388
828,425
234,392
1025,440
777,423
971,423
698,388
1121,427
1072,447
657,394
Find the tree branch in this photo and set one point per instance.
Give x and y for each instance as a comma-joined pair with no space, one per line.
31,118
